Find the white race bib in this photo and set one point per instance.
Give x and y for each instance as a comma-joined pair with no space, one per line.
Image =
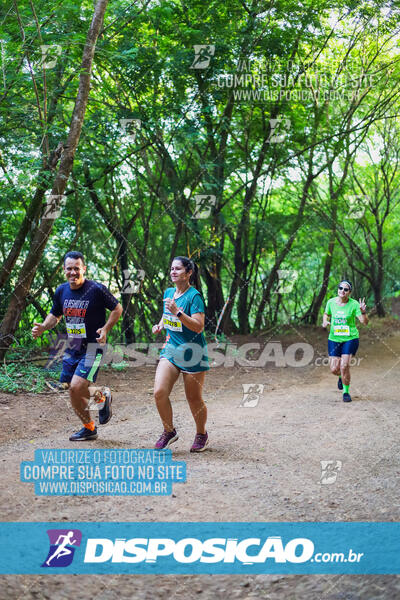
76,330
341,330
172,322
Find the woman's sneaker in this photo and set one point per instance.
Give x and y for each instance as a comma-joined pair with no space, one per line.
167,438
340,384
346,397
200,442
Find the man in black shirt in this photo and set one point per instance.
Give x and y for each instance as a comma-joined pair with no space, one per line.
83,303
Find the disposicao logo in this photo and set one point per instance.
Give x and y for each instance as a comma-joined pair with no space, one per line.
190,550
62,547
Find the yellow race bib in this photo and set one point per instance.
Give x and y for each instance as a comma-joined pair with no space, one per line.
341,330
76,330
172,322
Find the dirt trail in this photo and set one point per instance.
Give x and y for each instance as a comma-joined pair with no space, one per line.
263,465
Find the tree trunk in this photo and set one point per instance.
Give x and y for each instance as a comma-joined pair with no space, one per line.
215,300
311,315
42,233
127,316
44,179
380,309
281,257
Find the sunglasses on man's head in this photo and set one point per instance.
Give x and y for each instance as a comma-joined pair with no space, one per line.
343,288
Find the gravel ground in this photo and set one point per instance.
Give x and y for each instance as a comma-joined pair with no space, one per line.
263,464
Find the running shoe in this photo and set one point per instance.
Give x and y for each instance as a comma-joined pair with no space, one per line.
83,435
167,438
340,384
346,397
200,442
105,413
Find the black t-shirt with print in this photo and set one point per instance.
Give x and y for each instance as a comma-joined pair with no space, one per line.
84,310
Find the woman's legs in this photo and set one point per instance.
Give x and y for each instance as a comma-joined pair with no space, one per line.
345,371
193,383
345,368
166,376
334,363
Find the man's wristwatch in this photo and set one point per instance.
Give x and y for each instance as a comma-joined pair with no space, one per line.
178,314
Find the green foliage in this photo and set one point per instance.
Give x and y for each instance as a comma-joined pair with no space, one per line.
130,203
25,377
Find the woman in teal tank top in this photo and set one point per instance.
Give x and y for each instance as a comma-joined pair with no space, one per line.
184,351
340,314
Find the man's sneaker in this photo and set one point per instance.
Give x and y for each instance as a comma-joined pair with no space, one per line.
167,438
340,384
105,413
200,442
346,397
83,435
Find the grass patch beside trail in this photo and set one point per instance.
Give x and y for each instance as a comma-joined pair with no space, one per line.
25,377
22,376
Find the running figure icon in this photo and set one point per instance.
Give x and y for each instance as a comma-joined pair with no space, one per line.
62,549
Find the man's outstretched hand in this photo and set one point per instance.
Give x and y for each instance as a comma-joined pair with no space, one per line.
37,330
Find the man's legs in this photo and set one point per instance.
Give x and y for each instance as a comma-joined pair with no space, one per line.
79,396
88,369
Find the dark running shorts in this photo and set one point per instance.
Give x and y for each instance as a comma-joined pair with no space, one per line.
84,365
339,348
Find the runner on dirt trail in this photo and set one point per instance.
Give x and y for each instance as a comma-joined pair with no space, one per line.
343,337
184,351
83,303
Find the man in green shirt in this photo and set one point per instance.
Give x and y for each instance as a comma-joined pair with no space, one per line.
340,313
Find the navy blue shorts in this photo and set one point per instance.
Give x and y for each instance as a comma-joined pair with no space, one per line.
339,348
84,365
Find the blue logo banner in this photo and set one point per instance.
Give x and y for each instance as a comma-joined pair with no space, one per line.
193,548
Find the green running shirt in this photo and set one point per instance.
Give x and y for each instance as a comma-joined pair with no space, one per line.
343,320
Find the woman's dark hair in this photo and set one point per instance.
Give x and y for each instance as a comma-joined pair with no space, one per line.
194,280
75,256
190,265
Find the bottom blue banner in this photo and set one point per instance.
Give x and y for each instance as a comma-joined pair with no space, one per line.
194,548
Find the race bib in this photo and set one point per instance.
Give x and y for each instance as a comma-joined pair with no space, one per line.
76,330
341,330
172,322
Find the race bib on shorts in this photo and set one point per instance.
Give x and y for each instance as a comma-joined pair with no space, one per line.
172,322
76,330
341,330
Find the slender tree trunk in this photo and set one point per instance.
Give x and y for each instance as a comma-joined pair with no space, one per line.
311,315
43,231
317,303
380,309
242,310
281,257
44,179
215,300
127,317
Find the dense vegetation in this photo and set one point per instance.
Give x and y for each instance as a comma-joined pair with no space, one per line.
259,138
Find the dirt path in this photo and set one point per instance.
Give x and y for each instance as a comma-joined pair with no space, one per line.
263,465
